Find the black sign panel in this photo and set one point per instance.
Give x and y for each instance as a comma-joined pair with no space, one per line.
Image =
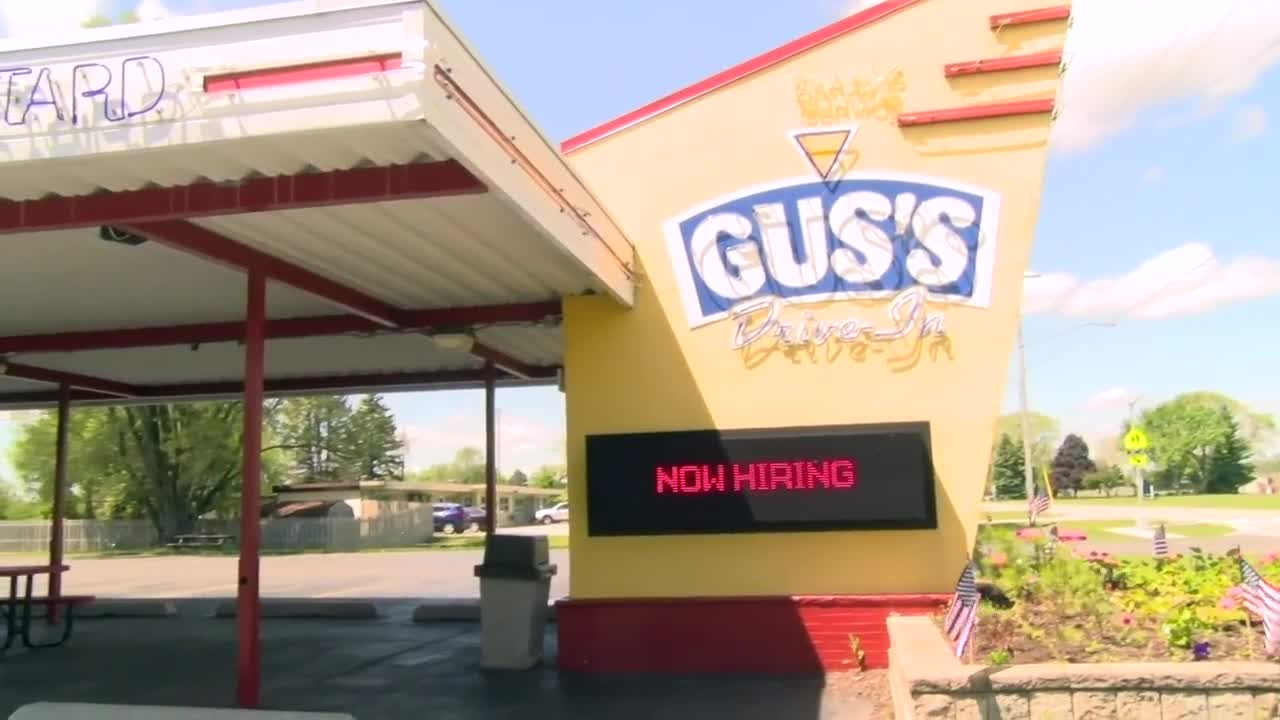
861,477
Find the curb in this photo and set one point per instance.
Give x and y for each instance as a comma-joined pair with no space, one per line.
308,609
458,610
102,609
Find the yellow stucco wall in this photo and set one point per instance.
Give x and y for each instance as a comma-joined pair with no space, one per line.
645,369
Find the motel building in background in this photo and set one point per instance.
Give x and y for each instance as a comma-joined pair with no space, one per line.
780,302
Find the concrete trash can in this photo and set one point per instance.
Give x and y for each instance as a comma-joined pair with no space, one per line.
515,584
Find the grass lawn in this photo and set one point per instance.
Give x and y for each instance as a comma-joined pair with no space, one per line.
1235,502
1103,529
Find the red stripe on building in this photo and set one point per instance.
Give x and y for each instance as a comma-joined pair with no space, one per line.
1051,58
1031,17
976,112
297,74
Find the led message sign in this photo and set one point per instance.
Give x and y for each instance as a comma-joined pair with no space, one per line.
861,477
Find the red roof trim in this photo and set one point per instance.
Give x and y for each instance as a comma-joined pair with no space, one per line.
737,72
295,74
976,112
1030,17
1003,64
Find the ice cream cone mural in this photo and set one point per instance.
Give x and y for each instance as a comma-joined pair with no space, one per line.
830,236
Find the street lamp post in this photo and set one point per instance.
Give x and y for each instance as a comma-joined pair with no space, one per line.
1024,411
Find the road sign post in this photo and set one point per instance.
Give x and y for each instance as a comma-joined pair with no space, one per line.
1136,445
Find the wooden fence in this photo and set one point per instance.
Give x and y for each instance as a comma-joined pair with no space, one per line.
399,529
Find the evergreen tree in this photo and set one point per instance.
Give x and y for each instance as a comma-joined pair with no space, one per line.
318,431
375,446
1008,470
1229,466
518,478
1071,464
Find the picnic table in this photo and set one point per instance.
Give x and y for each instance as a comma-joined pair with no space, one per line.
17,608
200,541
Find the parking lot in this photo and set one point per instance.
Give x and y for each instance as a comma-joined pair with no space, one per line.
406,574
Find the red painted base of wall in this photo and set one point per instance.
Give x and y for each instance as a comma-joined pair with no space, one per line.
752,634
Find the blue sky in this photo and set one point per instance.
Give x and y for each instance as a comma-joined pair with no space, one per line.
1155,217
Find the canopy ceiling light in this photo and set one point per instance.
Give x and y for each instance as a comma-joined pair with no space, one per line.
457,342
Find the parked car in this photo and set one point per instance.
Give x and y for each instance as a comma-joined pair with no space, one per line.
475,518
449,518
553,514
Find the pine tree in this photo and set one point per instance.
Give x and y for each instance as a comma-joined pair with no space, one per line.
1229,465
375,445
1008,470
318,432
1071,464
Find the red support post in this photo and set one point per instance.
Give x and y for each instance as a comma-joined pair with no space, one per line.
59,509
248,606
490,452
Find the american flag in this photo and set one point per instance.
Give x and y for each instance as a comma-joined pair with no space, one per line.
1262,599
1160,543
1037,504
963,613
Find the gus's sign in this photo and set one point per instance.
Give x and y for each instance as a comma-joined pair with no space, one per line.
868,236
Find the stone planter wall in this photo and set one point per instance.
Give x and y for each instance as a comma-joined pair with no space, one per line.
928,681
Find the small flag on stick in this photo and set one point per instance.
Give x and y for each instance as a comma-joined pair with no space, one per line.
1160,543
1037,505
962,615
1262,599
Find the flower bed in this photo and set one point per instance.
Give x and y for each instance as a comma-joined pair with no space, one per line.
1067,606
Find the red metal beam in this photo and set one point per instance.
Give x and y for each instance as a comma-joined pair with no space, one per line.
337,383
1051,58
442,379
303,327
445,178
1030,17
976,112
502,361
196,240
70,379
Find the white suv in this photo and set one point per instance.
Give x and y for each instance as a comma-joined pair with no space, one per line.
557,513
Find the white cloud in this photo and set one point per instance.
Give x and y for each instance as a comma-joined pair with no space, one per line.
1126,57
1249,123
1111,398
1185,280
28,19
149,10
1155,173
522,443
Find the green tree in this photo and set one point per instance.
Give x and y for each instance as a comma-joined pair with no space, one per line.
1008,470
518,478
318,433
375,447
171,464
1229,466
1044,431
1106,480
1186,430
1071,464
548,477
468,466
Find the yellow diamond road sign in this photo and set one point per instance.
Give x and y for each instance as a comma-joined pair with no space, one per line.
1139,459
1135,440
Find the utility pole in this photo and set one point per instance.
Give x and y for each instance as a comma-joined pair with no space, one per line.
1023,412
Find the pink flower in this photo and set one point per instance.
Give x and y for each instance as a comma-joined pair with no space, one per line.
1228,603
1271,558
999,559
1125,619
